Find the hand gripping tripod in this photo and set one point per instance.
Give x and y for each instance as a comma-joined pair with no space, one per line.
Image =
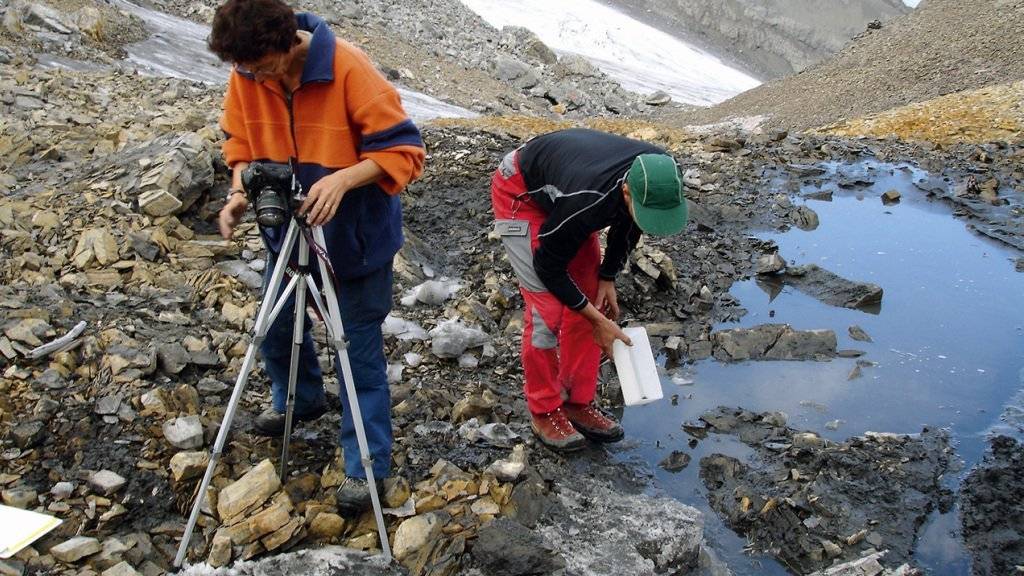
269,309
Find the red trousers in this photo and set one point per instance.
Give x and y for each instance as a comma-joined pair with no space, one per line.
560,357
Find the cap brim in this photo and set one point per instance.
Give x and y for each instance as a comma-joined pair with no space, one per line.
660,222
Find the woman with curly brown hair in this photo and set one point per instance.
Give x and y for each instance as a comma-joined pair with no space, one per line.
298,94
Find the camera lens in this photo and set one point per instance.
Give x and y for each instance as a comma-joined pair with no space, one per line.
270,208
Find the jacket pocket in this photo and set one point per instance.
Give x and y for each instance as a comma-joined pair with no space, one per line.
515,236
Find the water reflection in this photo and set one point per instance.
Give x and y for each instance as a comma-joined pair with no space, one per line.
947,346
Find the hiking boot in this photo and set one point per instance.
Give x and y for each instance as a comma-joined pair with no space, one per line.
555,431
594,423
271,423
353,496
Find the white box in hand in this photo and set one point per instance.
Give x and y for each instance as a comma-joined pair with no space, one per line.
638,374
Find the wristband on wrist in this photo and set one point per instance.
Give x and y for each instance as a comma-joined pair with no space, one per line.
232,192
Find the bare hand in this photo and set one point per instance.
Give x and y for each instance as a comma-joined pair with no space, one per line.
231,214
324,199
607,299
606,332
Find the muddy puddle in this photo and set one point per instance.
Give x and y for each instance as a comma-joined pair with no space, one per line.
946,350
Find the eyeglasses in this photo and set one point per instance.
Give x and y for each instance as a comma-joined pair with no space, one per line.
267,66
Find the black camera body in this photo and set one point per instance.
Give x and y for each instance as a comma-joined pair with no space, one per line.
273,190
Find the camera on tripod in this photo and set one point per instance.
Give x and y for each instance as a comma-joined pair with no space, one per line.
273,190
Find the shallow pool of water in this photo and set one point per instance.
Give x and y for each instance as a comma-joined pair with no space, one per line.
948,343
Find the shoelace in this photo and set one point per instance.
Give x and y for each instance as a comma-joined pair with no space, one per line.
595,414
559,419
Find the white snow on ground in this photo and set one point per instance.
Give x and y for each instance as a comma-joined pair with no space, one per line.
641,58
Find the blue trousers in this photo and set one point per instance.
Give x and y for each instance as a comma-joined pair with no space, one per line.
364,303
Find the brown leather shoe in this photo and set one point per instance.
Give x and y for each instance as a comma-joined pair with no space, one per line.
555,431
593,423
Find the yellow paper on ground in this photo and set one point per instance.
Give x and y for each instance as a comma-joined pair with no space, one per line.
19,528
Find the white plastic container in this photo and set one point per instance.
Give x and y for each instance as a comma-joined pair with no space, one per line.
638,374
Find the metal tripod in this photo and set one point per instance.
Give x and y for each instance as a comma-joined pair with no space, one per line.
269,309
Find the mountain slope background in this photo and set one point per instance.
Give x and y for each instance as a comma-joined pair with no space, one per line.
943,47
769,38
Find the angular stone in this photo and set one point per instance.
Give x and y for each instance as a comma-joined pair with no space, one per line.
108,405
106,482
75,549
220,549
676,461
234,314
188,465
185,433
173,357
665,329
20,497
485,506
808,440
700,350
269,520
429,503
396,492
416,532
29,331
282,535
159,203
96,245
805,218
803,344
28,434
833,289
121,569
62,490
211,386
473,407
243,272
327,526
659,98
858,333
578,65
252,489
46,17
891,197
832,549
366,542
508,470
770,264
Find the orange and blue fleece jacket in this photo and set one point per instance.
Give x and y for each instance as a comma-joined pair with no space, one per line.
344,111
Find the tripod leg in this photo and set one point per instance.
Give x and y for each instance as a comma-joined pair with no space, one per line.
293,368
337,335
263,321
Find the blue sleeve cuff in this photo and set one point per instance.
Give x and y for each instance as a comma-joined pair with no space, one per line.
402,134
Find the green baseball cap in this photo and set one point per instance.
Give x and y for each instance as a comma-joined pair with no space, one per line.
659,206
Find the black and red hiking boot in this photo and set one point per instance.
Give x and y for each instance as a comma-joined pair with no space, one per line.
556,432
593,423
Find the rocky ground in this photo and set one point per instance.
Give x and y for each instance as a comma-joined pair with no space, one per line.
989,114
992,509
811,500
110,184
